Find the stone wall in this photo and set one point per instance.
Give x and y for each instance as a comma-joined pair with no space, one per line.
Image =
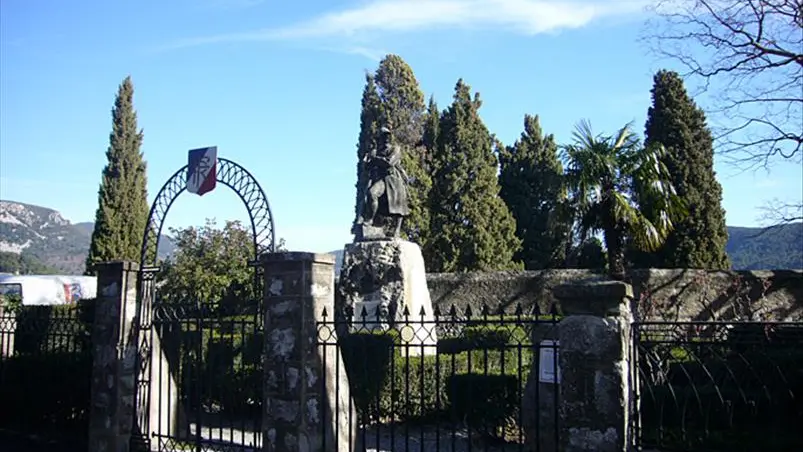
672,294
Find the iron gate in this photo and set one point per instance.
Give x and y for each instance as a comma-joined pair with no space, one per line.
197,360
472,391
200,387
724,386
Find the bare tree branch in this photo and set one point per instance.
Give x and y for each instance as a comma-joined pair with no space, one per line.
749,55
777,213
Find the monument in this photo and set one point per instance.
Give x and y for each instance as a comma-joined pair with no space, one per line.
383,276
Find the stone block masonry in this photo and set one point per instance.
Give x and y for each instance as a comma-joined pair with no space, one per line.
595,407
307,406
112,408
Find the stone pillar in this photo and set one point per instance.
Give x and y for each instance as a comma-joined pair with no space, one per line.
594,406
307,406
112,409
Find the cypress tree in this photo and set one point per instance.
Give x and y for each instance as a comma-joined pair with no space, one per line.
472,227
674,120
393,98
369,126
531,180
122,197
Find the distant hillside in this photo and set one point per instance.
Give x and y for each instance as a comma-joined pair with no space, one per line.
39,235
776,248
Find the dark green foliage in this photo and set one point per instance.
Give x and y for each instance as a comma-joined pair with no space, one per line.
393,98
698,240
610,177
23,264
780,247
589,254
531,181
122,198
388,385
498,393
209,264
220,364
369,128
472,227
45,386
741,393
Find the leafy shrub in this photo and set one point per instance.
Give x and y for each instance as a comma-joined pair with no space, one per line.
388,386
45,384
499,395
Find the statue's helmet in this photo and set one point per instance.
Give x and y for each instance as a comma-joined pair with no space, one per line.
385,130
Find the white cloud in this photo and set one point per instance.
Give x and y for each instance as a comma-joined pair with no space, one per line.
528,17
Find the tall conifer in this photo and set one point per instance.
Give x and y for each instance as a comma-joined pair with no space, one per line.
674,120
393,98
122,198
472,228
531,180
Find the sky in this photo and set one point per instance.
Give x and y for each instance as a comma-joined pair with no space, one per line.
276,86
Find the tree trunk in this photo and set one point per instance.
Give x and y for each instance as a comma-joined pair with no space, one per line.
616,259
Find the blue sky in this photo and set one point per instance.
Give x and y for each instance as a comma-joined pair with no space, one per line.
276,87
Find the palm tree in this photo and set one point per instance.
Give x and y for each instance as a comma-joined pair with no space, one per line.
608,176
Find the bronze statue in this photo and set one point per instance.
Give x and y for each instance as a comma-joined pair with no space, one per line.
386,187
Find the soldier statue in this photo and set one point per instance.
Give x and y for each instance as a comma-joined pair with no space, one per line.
386,187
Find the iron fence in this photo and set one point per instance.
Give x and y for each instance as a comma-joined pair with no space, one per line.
205,384
718,386
451,380
45,376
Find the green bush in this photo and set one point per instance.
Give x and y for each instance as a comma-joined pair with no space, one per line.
388,386
499,395
45,384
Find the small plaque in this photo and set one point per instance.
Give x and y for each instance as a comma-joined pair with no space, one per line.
549,368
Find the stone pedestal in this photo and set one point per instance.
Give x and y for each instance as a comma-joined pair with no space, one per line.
381,280
307,404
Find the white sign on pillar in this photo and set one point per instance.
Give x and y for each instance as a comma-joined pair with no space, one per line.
548,358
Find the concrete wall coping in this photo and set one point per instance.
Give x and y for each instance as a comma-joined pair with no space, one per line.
298,256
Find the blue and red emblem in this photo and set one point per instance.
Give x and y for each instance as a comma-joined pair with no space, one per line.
201,170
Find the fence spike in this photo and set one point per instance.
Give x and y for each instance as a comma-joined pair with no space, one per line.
363,312
377,313
500,310
553,309
536,310
324,314
453,311
468,311
519,310
406,311
437,312
484,310
423,312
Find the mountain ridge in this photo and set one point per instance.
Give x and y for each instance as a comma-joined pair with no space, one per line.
42,235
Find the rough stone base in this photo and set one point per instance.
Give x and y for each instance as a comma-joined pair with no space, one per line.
379,282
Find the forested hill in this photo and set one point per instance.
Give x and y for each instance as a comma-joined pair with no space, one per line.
780,247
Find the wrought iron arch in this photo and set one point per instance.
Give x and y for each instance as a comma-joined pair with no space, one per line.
229,174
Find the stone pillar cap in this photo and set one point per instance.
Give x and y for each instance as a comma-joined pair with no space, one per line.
297,256
593,297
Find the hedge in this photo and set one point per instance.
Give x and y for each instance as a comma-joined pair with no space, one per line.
45,384
484,362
